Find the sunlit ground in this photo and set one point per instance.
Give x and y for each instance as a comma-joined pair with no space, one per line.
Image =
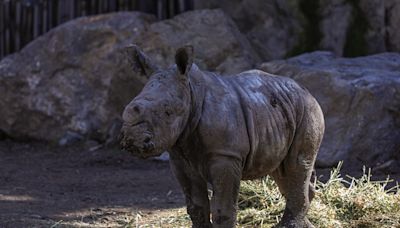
338,203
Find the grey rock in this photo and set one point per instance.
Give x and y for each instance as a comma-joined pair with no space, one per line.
392,15
163,157
360,98
335,21
376,22
279,28
273,27
374,11
70,138
218,43
72,79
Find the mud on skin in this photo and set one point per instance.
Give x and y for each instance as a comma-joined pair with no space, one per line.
220,130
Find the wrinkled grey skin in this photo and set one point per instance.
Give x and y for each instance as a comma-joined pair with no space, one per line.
220,130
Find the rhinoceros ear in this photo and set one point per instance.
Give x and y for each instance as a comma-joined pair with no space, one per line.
139,61
184,59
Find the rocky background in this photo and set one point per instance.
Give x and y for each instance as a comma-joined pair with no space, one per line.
72,83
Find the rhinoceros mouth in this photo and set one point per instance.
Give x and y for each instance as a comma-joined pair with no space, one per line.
138,123
146,150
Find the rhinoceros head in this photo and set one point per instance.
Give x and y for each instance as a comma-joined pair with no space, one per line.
154,119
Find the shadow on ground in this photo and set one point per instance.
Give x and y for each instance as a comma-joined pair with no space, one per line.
41,185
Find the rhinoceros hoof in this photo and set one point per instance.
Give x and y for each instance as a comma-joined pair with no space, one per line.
295,224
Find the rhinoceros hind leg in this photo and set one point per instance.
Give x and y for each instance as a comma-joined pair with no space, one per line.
296,188
293,178
294,174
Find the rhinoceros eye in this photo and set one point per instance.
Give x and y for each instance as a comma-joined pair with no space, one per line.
167,110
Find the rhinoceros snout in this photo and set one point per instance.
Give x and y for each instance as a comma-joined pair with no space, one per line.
136,142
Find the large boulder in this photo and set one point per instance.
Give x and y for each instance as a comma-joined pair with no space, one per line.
360,98
274,28
218,44
73,82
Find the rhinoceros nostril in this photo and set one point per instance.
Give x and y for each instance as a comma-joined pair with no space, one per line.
136,109
147,139
148,146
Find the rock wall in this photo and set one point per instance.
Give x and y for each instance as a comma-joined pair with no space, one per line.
272,27
283,28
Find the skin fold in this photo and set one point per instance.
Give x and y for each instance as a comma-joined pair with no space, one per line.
220,130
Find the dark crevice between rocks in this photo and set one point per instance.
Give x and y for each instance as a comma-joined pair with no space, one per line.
311,36
388,11
356,44
3,135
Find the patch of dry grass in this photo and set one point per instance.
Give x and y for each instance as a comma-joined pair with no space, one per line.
338,203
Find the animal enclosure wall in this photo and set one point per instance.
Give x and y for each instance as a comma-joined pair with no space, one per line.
23,20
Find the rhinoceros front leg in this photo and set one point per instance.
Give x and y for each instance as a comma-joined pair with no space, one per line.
196,193
225,174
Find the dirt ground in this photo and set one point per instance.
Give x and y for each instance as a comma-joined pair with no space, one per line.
81,186
45,186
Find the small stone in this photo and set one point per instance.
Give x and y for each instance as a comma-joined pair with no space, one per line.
70,138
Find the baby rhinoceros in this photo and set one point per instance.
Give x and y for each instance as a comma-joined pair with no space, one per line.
220,130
